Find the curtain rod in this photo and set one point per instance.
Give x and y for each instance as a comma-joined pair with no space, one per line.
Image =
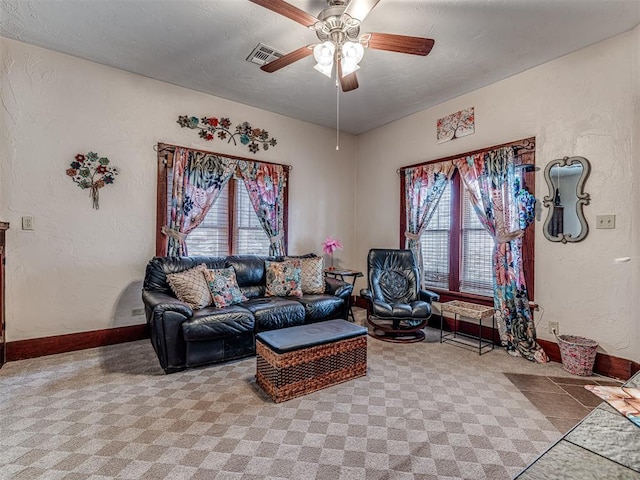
525,145
161,147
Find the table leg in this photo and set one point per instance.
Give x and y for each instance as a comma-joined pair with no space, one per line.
480,338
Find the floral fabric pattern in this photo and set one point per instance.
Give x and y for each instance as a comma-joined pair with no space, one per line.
423,186
505,209
198,179
283,279
265,184
223,286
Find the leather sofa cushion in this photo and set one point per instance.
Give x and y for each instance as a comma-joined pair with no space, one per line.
250,270
319,307
275,312
158,268
308,336
218,322
417,309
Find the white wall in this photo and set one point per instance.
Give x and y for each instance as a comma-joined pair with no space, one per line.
81,269
635,198
580,104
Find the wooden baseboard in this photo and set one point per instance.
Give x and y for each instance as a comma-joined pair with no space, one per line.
605,364
39,347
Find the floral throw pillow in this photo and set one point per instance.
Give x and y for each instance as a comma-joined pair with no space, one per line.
312,275
223,286
283,279
191,287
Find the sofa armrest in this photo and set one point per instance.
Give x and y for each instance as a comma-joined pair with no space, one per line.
366,294
333,286
163,302
165,316
429,296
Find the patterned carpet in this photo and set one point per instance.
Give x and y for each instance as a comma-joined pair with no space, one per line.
425,410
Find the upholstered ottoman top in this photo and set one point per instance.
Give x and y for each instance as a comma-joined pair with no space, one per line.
305,336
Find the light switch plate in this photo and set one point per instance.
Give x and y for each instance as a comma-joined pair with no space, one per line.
605,221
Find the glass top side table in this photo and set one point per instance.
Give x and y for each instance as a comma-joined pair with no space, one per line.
341,273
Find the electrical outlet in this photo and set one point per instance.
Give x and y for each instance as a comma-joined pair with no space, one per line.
137,311
554,328
605,221
27,223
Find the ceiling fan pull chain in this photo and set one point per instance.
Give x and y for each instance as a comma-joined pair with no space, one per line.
337,106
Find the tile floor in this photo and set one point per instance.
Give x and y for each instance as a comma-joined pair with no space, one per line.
563,400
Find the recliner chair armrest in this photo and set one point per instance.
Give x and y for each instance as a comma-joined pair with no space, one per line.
366,294
333,286
429,296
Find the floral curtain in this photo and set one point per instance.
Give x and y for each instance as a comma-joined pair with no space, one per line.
505,209
265,184
198,179
423,187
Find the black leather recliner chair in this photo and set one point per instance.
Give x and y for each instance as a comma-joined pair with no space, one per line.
397,308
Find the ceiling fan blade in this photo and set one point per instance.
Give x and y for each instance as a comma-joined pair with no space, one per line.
399,43
287,10
359,9
288,59
349,82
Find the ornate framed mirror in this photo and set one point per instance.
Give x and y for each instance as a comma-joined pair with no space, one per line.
565,220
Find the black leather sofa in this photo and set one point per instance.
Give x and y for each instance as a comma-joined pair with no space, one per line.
183,337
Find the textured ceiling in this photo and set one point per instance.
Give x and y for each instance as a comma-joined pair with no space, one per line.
203,44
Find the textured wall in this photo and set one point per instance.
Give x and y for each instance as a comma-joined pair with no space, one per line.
580,104
81,269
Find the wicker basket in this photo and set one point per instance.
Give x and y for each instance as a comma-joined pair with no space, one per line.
578,354
284,376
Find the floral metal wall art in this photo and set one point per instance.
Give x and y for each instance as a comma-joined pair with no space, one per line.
93,172
456,125
210,127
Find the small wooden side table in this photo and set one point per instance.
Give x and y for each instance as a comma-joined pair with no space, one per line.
470,310
340,273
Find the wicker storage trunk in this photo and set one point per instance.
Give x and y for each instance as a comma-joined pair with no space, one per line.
288,375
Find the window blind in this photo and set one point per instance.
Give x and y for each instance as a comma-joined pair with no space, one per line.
477,253
211,237
250,237
435,244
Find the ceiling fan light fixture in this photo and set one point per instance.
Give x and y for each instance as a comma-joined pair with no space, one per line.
352,53
323,53
324,69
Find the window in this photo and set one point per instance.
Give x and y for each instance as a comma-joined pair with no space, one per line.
248,235
440,257
476,260
211,237
231,226
457,252
435,244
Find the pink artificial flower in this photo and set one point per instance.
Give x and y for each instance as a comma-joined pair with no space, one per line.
330,245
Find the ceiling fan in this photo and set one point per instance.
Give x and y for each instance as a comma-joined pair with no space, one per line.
338,29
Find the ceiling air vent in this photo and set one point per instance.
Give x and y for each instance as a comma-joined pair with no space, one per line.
262,55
